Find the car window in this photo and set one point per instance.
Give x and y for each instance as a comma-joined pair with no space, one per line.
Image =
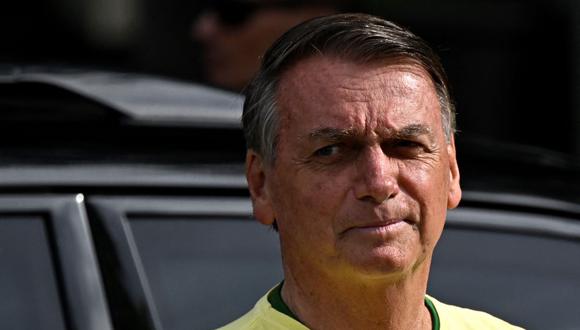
205,272
29,288
529,277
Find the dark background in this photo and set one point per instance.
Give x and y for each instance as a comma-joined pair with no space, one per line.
514,65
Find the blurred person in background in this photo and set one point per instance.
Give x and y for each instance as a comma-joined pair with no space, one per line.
233,34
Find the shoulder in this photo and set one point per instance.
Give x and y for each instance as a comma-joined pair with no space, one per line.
264,317
454,317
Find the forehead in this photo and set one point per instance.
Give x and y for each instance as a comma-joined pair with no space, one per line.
336,92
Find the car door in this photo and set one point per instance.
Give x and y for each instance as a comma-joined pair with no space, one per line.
182,262
50,278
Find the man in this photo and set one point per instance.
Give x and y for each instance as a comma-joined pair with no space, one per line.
351,156
234,34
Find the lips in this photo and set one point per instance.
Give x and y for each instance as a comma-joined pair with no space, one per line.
384,218
378,227
380,223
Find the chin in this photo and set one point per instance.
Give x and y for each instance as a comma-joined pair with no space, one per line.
385,262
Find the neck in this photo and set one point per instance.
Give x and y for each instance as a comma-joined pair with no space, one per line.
330,302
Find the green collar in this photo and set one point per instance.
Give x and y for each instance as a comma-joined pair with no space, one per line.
275,299
435,322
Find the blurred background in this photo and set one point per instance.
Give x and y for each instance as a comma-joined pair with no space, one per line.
514,65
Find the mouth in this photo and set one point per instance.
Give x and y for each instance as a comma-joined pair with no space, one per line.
382,227
213,55
211,59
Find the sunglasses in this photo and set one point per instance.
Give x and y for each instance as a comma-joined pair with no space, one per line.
237,12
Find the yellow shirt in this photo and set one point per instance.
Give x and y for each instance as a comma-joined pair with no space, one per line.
264,317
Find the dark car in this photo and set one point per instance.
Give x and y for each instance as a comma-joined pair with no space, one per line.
123,205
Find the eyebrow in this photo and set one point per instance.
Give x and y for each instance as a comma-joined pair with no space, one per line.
413,130
336,134
333,134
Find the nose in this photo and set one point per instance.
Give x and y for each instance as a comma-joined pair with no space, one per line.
205,27
376,176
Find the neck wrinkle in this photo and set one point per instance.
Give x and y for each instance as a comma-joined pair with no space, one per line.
325,301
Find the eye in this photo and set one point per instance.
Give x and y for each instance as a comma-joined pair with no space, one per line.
407,144
405,148
326,151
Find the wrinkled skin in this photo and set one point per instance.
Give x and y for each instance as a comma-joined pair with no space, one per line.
362,180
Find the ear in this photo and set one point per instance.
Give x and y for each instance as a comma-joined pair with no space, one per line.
454,195
256,176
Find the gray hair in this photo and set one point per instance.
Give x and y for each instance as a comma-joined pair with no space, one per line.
355,37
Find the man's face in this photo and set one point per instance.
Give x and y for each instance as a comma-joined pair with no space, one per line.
363,174
232,51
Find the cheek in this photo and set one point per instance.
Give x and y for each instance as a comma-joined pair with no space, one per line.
305,196
306,217
257,35
427,186
307,204
426,181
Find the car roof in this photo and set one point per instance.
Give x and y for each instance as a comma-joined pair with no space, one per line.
91,128
496,166
140,98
